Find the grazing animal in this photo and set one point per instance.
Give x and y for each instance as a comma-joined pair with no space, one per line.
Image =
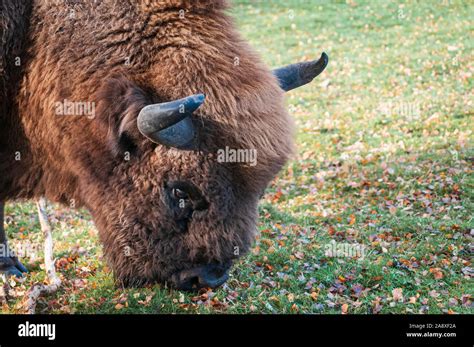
122,106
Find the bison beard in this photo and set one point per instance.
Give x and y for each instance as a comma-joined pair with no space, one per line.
167,95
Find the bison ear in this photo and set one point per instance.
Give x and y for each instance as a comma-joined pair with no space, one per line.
119,102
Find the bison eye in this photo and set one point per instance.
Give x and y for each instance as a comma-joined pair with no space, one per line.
184,196
179,193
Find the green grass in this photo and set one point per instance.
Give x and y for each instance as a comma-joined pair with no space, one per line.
398,184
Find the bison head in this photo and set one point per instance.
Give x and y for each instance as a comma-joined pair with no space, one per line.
183,148
177,200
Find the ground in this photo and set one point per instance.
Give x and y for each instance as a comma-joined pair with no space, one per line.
373,215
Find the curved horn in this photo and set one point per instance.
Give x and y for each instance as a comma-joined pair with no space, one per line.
170,123
296,75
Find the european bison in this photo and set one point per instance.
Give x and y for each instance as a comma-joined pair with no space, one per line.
122,107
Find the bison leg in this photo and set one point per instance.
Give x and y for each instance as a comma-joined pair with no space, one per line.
9,263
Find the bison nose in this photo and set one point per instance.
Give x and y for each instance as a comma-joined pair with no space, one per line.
211,275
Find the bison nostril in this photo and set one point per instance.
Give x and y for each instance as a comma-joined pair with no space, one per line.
214,279
192,283
201,277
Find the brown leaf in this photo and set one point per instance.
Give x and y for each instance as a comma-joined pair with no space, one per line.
344,308
352,219
299,255
437,273
397,294
277,196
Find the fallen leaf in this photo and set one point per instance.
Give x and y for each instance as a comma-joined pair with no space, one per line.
344,308
397,294
437,273
299,255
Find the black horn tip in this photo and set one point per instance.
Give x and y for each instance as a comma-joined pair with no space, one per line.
193,102
312,69
296,75
324,59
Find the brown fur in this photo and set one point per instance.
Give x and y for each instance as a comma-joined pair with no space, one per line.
78,52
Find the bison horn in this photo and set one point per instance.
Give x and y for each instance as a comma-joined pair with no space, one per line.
170,123
296,75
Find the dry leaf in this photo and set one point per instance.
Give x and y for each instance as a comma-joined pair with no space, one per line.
299,255
344,308
397,294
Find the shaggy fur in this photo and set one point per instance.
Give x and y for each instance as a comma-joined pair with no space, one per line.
123,55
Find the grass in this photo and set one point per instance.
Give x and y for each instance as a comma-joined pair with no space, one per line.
383,174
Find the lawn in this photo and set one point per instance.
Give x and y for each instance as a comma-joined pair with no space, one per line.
373,215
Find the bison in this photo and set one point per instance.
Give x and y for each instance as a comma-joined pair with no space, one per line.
121,107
